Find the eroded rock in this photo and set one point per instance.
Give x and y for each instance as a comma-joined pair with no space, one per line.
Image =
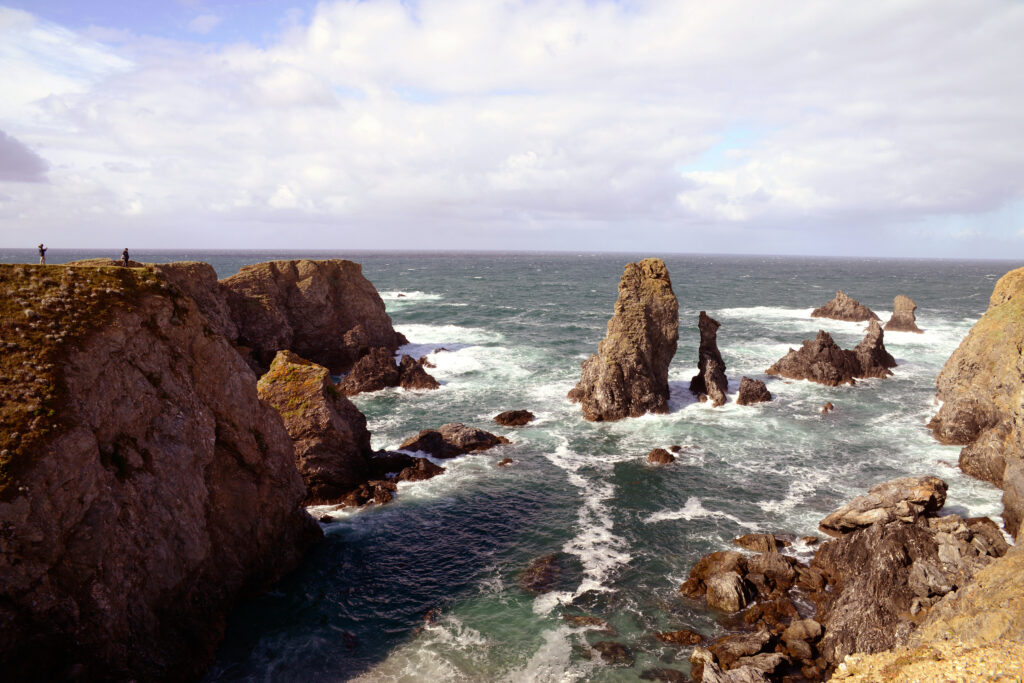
842,307
659,456
821,360
710,378
514,418
902,319
451,440
752,391
904,499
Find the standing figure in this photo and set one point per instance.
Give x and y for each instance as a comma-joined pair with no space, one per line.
42,255
124,257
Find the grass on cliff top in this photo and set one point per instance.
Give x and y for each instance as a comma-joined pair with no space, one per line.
45,311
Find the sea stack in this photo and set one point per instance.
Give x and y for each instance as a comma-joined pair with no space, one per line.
821,360
843,307
982,392
752,391
710,378
902,319
628,376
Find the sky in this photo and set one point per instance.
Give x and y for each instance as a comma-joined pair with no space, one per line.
823,127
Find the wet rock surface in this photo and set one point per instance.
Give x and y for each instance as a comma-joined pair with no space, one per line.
377,370
710,378
659,456
514,418
451,440
752,391
902,319
541,574
821,360
842,307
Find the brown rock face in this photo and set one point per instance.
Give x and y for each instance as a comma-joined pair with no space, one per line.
628,376
821,360
377,370
413,376
904,499
752,391
330,436
163,490
514,418
982,390
659,456
902,319
710,378
452,440
843,307
325,311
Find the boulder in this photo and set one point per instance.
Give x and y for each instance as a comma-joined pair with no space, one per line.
827,408
413,376
752,391
588,622
843,307
902,319
505,462
514,418
628,376
729,649
710,378
821,360
329,433
726,591
421,470
377,370
451,440
659,456
903,499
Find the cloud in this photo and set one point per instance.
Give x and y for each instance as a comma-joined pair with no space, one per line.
204,23
679,124
18,163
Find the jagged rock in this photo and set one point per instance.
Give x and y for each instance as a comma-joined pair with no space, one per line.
713,563
613,653
421,470
377,492
681,637
803,629
821,360
199,281
843,307
377,370
726,592
827,408
710,378
413,376
325,311
659,456
514,418
760,543
903,499
451,440
729,649
331,441
628,376
705,669
902,319
752,391
541,574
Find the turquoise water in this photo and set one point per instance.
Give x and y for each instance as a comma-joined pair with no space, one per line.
516,328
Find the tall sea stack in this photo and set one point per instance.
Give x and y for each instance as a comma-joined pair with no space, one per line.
710,378
902,319
628,376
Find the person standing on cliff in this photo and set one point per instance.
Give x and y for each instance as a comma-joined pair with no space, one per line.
124,257
42,255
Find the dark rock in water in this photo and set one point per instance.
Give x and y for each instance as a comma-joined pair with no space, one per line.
383,463
664,675
843,307
659,456
902,319
628,376
541,574
514,418
681,637
827,408
752,391
728,649
378,492
451,440
760,543
613,653
412,376
377,370
904,499
505,462
587,621
675,449
710,378
821,360
421,470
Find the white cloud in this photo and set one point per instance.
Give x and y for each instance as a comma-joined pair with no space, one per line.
558,115
204,23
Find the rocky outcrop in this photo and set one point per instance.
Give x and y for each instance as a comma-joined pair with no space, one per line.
982,390
451,440
377,370
821,360
514,418
541,574
325,311
752,391
659,456
902,319
628,376
144,486
843,307
412,375
331,441
904,499
710,379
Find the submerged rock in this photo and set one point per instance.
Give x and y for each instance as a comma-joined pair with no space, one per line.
681,637
541,575
710,378
451,440
628,376
842,307
752,391
514,418
613,653
821,360
902,319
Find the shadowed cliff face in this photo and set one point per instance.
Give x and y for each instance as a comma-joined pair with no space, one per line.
628,376
982,389
149,487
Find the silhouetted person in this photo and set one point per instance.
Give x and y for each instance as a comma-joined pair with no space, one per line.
42,255
124,257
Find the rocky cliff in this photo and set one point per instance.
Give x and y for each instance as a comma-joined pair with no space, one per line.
628,376
144,487
982,392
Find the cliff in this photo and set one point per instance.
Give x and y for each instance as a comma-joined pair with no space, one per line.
144,487
628,376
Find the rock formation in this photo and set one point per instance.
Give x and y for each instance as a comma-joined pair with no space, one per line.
752,391
843,307
514,418
902,319
982,390
331,441
143,485
325,311
413,377
628,376
821,360
904,499
659,456
710,378
451,440
377,370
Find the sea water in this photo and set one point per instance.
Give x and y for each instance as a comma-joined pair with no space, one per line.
425,588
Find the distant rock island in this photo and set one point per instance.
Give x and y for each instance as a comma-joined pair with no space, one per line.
821,360
842,307
902,319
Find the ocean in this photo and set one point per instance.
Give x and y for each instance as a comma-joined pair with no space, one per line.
425,588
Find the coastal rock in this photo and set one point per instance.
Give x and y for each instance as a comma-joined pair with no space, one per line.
842,307
377,370
588,622
874,360
420,470
158,492
325,311
541,574
198,281
752,391
664,676
514,418
726,591
904,499
827,408
331,441
681,637
821,360
710,378
613,653
413,376
760,543
628,377
451,440
902,319
659,456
